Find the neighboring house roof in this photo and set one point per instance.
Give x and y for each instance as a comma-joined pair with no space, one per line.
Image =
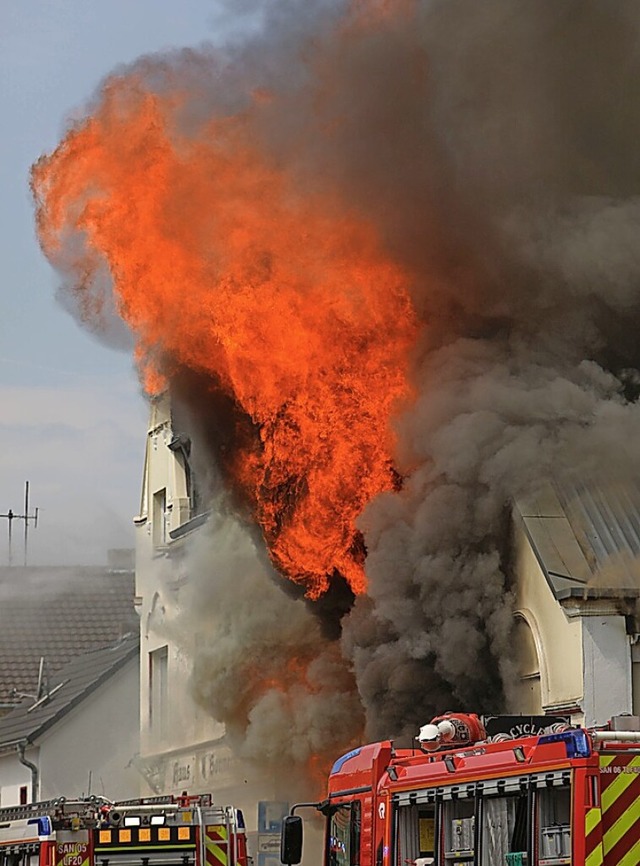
586,537
73,683
57,614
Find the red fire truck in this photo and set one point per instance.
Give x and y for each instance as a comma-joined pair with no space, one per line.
534,791
156,831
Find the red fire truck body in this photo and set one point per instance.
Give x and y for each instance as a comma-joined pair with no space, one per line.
563,797
162,831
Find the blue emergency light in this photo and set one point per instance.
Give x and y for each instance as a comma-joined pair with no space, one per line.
44,825
576,742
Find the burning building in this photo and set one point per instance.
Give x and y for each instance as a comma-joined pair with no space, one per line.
383,258
218,638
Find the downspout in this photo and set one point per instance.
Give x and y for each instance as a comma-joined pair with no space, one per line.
34,769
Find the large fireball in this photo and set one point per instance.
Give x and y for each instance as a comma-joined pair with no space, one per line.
281,296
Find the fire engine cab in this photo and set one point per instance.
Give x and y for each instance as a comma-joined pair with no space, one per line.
156,831
497,791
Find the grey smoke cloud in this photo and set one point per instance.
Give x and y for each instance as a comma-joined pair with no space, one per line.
262,665
491,424
494,145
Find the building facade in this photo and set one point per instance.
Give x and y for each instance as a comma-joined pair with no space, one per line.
577,584
576,587
181,746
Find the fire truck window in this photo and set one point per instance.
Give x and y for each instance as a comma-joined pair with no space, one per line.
554,821
459,831
344,836
504,828
355,833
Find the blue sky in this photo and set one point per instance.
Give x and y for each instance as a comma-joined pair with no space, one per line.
72,420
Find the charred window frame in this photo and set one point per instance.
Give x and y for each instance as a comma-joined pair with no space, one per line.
181,447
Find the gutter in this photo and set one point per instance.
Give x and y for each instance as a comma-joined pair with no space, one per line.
20,747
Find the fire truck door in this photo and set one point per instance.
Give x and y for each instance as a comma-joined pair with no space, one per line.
343,844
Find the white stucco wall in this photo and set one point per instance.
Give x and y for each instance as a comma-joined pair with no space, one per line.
14,775
160,574
606,652
584,652
91,745
558,637
99,738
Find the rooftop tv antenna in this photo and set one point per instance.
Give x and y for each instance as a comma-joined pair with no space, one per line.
11,516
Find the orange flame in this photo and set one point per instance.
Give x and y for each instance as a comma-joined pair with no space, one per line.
284,297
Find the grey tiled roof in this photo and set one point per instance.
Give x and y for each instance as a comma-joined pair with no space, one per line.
58,613
73,683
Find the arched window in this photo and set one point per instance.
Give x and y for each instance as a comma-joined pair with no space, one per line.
529,695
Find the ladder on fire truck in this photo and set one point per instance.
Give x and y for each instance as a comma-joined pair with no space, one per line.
49,807
68,806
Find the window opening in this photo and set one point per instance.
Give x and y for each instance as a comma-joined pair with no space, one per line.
158,690
160,518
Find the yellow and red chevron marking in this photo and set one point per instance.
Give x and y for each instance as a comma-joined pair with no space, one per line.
593,853
620,802
216,839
